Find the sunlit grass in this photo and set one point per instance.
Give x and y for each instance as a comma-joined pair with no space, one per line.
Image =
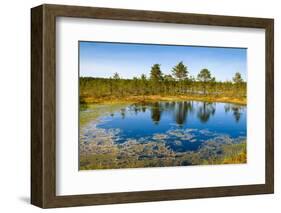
151,98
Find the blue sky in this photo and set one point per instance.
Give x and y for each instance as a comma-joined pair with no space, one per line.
103,59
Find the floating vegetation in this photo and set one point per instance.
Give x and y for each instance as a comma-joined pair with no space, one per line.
102,150
105,143
159,136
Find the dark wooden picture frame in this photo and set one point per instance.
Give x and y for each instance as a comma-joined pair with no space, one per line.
43,105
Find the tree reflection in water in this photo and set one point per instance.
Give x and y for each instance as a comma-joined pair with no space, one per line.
182,109
156,112
190,132
123,113
205,111
235,109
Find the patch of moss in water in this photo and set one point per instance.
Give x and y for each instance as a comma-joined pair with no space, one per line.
91,112
103,153
157,155
100,147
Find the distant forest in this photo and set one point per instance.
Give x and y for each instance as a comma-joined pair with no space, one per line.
178,83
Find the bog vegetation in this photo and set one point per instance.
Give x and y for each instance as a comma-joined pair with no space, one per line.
101,147
178,84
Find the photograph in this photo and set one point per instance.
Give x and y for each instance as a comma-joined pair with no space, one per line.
161,105
145,105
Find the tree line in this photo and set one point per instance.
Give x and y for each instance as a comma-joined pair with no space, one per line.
179,82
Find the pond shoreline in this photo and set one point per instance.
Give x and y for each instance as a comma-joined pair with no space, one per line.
153,98
156,133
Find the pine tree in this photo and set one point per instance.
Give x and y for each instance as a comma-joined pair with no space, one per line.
156,73
237,78
180,71
205,76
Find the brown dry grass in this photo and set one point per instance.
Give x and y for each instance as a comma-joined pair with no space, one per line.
151,98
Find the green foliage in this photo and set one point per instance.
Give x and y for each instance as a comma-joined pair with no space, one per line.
237,79
116,76
168,78
143,77
180,71
204,75
156,74
163,85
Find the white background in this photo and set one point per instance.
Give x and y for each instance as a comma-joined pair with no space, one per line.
15,105
71,181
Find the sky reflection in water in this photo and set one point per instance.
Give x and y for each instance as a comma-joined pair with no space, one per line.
181,125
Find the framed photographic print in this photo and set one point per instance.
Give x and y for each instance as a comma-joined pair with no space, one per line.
136,106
